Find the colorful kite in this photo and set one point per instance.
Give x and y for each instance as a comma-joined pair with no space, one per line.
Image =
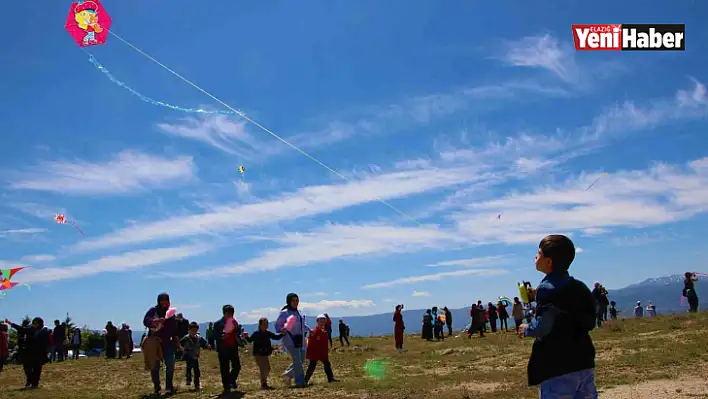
242,171
596,180
88,23
61,219
6,276
505,301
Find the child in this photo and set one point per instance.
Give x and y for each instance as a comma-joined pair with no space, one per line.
318,350
262,349
613,310
192,343
227,333
4,340
563,356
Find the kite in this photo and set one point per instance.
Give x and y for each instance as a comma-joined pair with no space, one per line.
61,219
242,170
88,23
6,276
596,180
505,301
499,216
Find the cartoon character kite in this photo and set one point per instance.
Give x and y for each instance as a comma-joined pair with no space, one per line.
88,23
6,277
242,171
61,219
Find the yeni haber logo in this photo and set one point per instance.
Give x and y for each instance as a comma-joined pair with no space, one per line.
629,37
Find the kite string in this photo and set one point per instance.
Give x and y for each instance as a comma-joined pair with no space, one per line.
263,128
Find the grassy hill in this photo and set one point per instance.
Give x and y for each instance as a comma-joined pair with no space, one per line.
658,358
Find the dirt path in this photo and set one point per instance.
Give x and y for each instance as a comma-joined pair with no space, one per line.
696,387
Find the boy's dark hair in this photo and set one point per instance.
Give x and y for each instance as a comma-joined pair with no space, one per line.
194,325
560,249
613,303
227,309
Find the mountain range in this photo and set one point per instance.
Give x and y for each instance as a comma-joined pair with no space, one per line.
663,292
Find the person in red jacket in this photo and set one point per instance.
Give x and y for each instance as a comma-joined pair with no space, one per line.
318,350
4,351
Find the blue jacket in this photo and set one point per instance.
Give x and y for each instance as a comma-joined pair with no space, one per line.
300,328
565,315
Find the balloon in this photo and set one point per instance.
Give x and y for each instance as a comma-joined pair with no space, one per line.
290,323
170,313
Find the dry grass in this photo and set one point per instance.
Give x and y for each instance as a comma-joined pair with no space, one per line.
661,358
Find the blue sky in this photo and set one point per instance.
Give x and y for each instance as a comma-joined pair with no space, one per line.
452,113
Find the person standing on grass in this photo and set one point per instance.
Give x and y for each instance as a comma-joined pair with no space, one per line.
597,295
165,330
448,321
477,324
4,345
492,312
638,310
76,343
318,350
689,291
192,344
35,351
563,356
328,326
262,349
503,316
111,340
293,340
227,333
210,334
343,333
613,310
59,336
604,302
398,328
123,341
517,312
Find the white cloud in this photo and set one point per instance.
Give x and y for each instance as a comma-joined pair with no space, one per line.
420,293
336,242
436,277
220,132
593,231
543,52
485,261
661,194
579,250
127,172
314,294
420,110
127,261
308,201
10,232
308,307
39,258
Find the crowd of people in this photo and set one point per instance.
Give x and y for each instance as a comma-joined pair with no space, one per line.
562,360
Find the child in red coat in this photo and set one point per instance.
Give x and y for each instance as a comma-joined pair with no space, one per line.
318,350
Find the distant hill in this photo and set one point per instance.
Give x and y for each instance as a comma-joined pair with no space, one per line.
664,292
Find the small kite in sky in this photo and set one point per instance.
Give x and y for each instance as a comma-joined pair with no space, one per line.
596,180
499,216
242,171
88,23
61,219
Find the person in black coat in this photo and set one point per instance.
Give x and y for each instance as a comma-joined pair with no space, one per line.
262,349
35,353
59,337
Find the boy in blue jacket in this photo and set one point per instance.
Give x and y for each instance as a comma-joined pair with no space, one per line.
563,356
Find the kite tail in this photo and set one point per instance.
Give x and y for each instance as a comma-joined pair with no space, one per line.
74,225
149,100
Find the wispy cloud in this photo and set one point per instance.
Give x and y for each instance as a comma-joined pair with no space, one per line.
544,52
127,172
659,195
128,261
485,261
314,294
435,277
225,134
421,110
309,201
579,250
313,307
336,242
420,293
38,258
11,232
